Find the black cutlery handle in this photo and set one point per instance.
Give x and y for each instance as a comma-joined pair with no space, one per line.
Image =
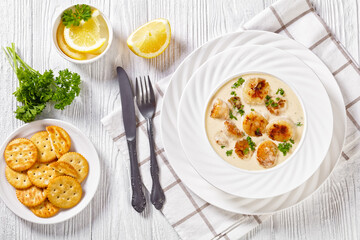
138,198
157,196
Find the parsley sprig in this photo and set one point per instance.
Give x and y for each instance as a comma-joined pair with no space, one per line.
72,17
36,90
231,115
229,152
238,83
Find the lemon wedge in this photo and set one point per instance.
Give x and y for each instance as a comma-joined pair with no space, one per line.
86,37
151,39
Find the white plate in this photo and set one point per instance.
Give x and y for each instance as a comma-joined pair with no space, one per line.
182,166
79,143
269,182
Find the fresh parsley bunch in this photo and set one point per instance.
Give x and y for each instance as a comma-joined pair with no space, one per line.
36,89
72,17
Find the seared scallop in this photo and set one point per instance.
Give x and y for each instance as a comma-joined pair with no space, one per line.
280,130
232,130
242,149
254,124
221,139
275,106
267,154
220,110
255,90
235,102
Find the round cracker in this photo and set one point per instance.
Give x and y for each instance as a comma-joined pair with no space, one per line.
45,210
80,164
18,180
64,168
64,191
32,196
60,140
20,154
40,174
43,144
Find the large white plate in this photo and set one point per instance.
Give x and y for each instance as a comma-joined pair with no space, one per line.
79,143
178,158
279,179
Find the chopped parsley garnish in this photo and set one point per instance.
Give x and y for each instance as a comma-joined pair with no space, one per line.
299,124
252,109
274,104
238,83
257,132
277,99
251,143
270,101
233,93
222,146
267,97
229,152
292,141
241,110
284,147
281,91
231,115
246,151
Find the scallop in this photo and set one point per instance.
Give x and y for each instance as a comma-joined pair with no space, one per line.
220,110
280,130
254,124
221,139
255,90
242,149
267,154
232,130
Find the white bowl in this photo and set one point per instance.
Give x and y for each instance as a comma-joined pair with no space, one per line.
55,25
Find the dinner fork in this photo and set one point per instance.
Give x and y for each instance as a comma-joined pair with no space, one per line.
145,99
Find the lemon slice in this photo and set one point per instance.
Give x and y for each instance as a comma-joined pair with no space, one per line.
86,37
64,48
151,39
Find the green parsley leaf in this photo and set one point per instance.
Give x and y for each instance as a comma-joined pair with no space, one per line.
292,141
274,104
229,152
72,17
246,151
281,91
222,146
252,109
267,97
277,99
284,147
299,124
251,143
231,115
238,83
233,93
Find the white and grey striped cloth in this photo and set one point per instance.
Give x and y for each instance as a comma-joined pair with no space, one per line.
197,218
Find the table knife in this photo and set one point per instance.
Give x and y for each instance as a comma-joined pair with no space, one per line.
128,109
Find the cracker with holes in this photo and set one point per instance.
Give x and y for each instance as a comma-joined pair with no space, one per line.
45,210
64,168
78,162
18,180
32,196
20,154
64,192
40,174
43,144
60,140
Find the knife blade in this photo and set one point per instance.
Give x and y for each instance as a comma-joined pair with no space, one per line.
128,109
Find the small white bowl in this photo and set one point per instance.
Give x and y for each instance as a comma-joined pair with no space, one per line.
55,26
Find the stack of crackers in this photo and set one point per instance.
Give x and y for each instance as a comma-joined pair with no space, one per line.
44,173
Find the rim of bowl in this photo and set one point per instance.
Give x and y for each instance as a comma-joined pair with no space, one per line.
222,83
55,26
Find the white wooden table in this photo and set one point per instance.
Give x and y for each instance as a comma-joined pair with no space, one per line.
331,213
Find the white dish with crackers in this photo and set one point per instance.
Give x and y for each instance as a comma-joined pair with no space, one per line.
53,168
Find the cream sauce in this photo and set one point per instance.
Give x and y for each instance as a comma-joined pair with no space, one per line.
293,112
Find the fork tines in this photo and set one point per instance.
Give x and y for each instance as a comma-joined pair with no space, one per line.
144,91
